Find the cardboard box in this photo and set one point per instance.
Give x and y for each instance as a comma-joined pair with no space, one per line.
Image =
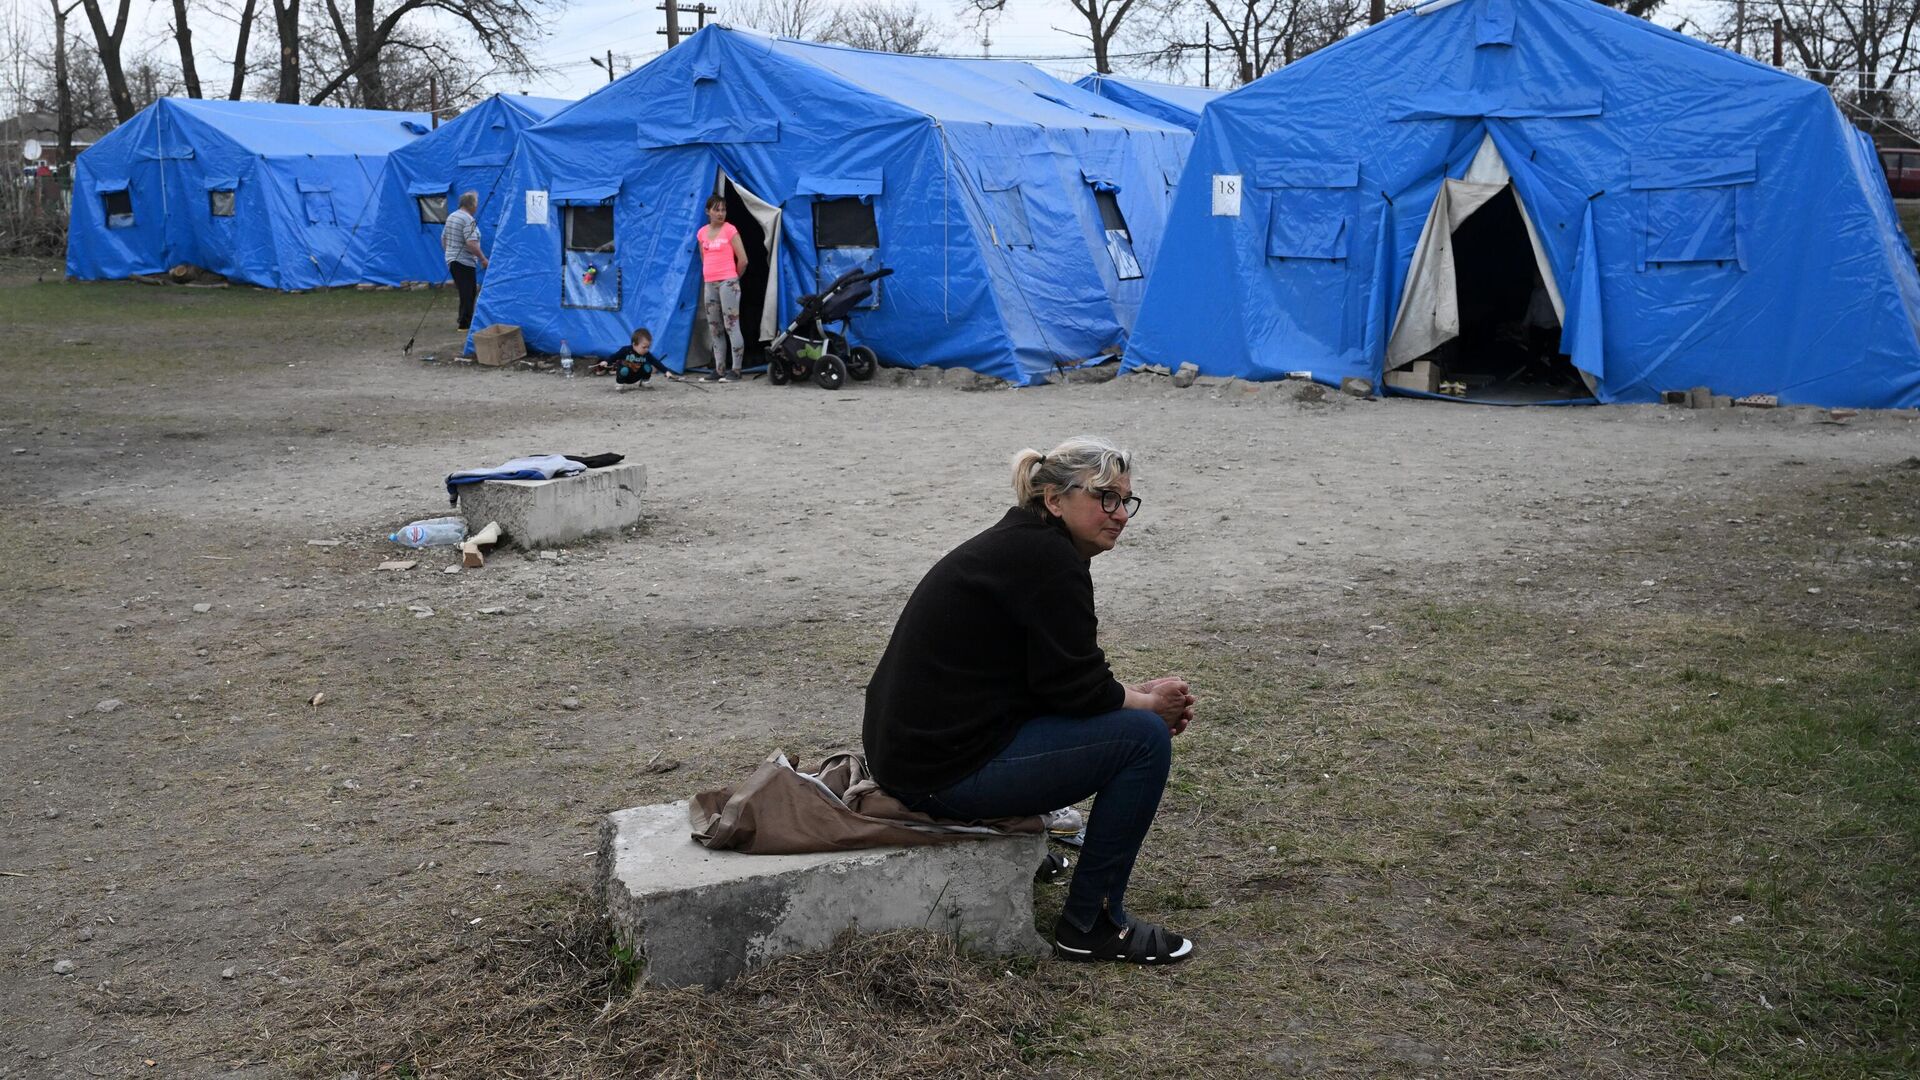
1421,375
498,345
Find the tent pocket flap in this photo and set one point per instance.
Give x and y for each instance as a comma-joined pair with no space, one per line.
842,185
1307,173
314,185
479,161
1309,223
711,129
584,191
1694,172
107,185
428,187
222,183
1100,179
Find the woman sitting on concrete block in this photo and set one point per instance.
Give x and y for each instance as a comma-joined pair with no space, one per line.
994,700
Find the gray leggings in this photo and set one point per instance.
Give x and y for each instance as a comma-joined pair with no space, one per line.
721,301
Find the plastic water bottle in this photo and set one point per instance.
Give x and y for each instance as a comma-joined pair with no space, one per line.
432,532
566,358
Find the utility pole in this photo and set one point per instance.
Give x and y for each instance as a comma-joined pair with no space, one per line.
1740,27
1206,60
674,10
609,65
1376,11
433,99
1778,44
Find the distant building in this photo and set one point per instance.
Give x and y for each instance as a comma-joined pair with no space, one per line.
43,128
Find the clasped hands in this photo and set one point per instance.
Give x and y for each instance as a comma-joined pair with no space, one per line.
1168,697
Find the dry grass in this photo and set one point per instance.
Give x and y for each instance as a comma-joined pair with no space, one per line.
549,997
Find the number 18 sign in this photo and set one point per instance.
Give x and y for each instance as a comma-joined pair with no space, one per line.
1226,195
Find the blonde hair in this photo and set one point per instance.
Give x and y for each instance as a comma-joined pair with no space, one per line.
1084,461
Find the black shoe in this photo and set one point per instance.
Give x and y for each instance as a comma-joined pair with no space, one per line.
1136,943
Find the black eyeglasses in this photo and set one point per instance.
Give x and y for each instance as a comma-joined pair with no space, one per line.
1111,500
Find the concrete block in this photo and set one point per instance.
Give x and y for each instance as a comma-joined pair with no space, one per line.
545,513
1356,387
698,917
1184,377
1421,375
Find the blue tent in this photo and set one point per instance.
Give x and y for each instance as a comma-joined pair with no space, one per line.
1648,211
263,193
1167,101
400,241
1016,210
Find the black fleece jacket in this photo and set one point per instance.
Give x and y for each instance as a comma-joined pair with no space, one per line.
1000,631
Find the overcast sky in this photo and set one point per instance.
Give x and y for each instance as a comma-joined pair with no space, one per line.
588,28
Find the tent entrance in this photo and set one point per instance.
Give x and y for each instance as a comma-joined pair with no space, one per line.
758,222
1480,304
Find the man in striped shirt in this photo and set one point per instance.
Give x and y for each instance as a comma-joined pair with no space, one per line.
460,242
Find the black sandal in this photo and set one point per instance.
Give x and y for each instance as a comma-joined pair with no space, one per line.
1136,943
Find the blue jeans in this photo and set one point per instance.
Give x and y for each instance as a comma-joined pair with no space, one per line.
1122,757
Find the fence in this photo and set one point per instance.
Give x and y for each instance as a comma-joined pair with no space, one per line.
33,215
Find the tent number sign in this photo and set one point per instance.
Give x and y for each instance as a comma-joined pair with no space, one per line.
1226,195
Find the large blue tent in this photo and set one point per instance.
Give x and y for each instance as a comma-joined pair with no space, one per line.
400,242
263,193
1016,210
1670,214
1171,102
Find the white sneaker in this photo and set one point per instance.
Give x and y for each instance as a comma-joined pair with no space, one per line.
1065,821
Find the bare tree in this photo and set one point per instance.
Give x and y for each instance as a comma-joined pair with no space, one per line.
897,26
107,43
1864,51
805,20
183,36
286,24
244,32
498,26
1639,9
1103,19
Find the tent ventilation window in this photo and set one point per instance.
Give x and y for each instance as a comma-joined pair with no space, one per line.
220,203
1009,225
1119,239
433,209
590,228
589,270
844,223
119,208
845,237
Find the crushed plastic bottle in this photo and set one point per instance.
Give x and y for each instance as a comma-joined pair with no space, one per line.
566,358
432,532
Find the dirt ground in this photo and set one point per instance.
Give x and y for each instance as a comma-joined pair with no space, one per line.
202,844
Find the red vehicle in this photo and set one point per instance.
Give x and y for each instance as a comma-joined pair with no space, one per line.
1903,172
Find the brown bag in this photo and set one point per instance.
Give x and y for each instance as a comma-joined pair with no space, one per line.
783,811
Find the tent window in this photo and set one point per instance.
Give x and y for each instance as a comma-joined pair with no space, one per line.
1119,239
844,223
1009,218
589,228
220,203
1690,225
119,208
433,209
319,207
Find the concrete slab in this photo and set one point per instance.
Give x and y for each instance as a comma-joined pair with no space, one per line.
547,513
698,917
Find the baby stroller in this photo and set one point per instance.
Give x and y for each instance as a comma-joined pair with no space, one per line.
807,349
